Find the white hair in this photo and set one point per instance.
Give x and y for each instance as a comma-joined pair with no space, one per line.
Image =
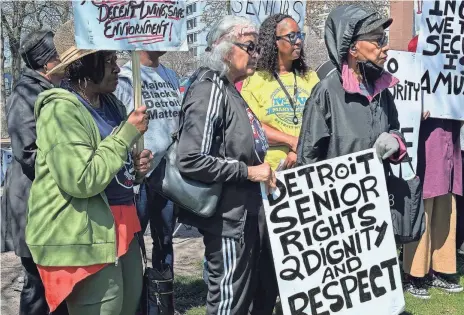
220,40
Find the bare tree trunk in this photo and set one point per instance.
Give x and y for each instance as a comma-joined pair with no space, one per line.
14,28
4,132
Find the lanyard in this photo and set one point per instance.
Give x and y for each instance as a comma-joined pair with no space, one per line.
291,100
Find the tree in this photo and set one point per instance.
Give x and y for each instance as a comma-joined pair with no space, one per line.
213,11
3,131
182,62
317,11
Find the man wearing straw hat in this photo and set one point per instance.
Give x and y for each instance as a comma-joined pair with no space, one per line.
39,54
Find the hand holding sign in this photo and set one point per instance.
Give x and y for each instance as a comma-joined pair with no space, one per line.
262,174
138,118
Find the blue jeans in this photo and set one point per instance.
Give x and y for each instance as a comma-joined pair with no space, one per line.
154,208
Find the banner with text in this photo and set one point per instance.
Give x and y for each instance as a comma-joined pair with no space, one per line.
130,25
259,10
407,93
441,41
332,240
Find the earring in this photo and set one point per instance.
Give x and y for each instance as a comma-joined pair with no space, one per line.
80,85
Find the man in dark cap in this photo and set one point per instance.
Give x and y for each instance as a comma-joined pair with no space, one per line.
39,55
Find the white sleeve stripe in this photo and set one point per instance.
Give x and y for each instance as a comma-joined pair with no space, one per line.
211,115
208,118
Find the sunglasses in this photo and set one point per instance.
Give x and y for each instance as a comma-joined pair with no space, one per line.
250,48
379,40
292,37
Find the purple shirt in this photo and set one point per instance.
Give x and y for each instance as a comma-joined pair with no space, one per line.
439,157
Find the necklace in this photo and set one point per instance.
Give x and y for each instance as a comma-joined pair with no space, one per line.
82,93
291,100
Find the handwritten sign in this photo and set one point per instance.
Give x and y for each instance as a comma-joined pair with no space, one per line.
130,25
332,239
259,10
407,93
441,41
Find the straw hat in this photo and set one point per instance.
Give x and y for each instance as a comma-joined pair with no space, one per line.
66,47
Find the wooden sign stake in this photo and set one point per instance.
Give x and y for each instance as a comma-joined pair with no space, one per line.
137,85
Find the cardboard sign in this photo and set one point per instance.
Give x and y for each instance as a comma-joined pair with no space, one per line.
130,25
407,93
441,41
259,10
332,240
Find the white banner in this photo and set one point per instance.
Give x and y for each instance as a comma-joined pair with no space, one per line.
130,25
259,10
332,240
407,93
441,41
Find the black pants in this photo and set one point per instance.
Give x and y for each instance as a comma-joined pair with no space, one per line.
267,289
154,208
232,270
32,299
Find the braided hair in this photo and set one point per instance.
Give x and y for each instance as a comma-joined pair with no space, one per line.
269,52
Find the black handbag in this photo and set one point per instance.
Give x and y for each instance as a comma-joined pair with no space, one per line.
194,196
158,287
406,206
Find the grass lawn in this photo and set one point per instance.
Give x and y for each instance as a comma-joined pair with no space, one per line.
190,297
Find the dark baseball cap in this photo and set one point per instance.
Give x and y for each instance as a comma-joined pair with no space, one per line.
371,23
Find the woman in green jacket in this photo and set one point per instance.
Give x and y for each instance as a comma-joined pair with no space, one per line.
82,218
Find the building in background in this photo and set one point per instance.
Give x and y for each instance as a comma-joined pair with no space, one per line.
196,34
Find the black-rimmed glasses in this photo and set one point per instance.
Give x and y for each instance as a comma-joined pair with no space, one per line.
250,48
292,37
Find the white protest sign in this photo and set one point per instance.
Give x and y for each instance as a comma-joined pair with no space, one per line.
407,93
130,25
259,10
441,41
332,240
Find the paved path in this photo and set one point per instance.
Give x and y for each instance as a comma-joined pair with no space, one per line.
188,251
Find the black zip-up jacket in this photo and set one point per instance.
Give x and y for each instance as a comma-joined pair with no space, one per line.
336,122
213,110
21,173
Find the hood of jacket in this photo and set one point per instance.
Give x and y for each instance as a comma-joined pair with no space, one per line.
48,96
340,28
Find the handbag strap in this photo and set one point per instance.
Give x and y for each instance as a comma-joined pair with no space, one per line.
139,236
401,168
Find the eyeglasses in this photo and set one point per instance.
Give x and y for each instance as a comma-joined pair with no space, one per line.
292,37
379,40
250,48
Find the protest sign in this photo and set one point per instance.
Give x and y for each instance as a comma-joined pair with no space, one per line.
417,15
441,41
158,25
407,93
259,10
332,240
